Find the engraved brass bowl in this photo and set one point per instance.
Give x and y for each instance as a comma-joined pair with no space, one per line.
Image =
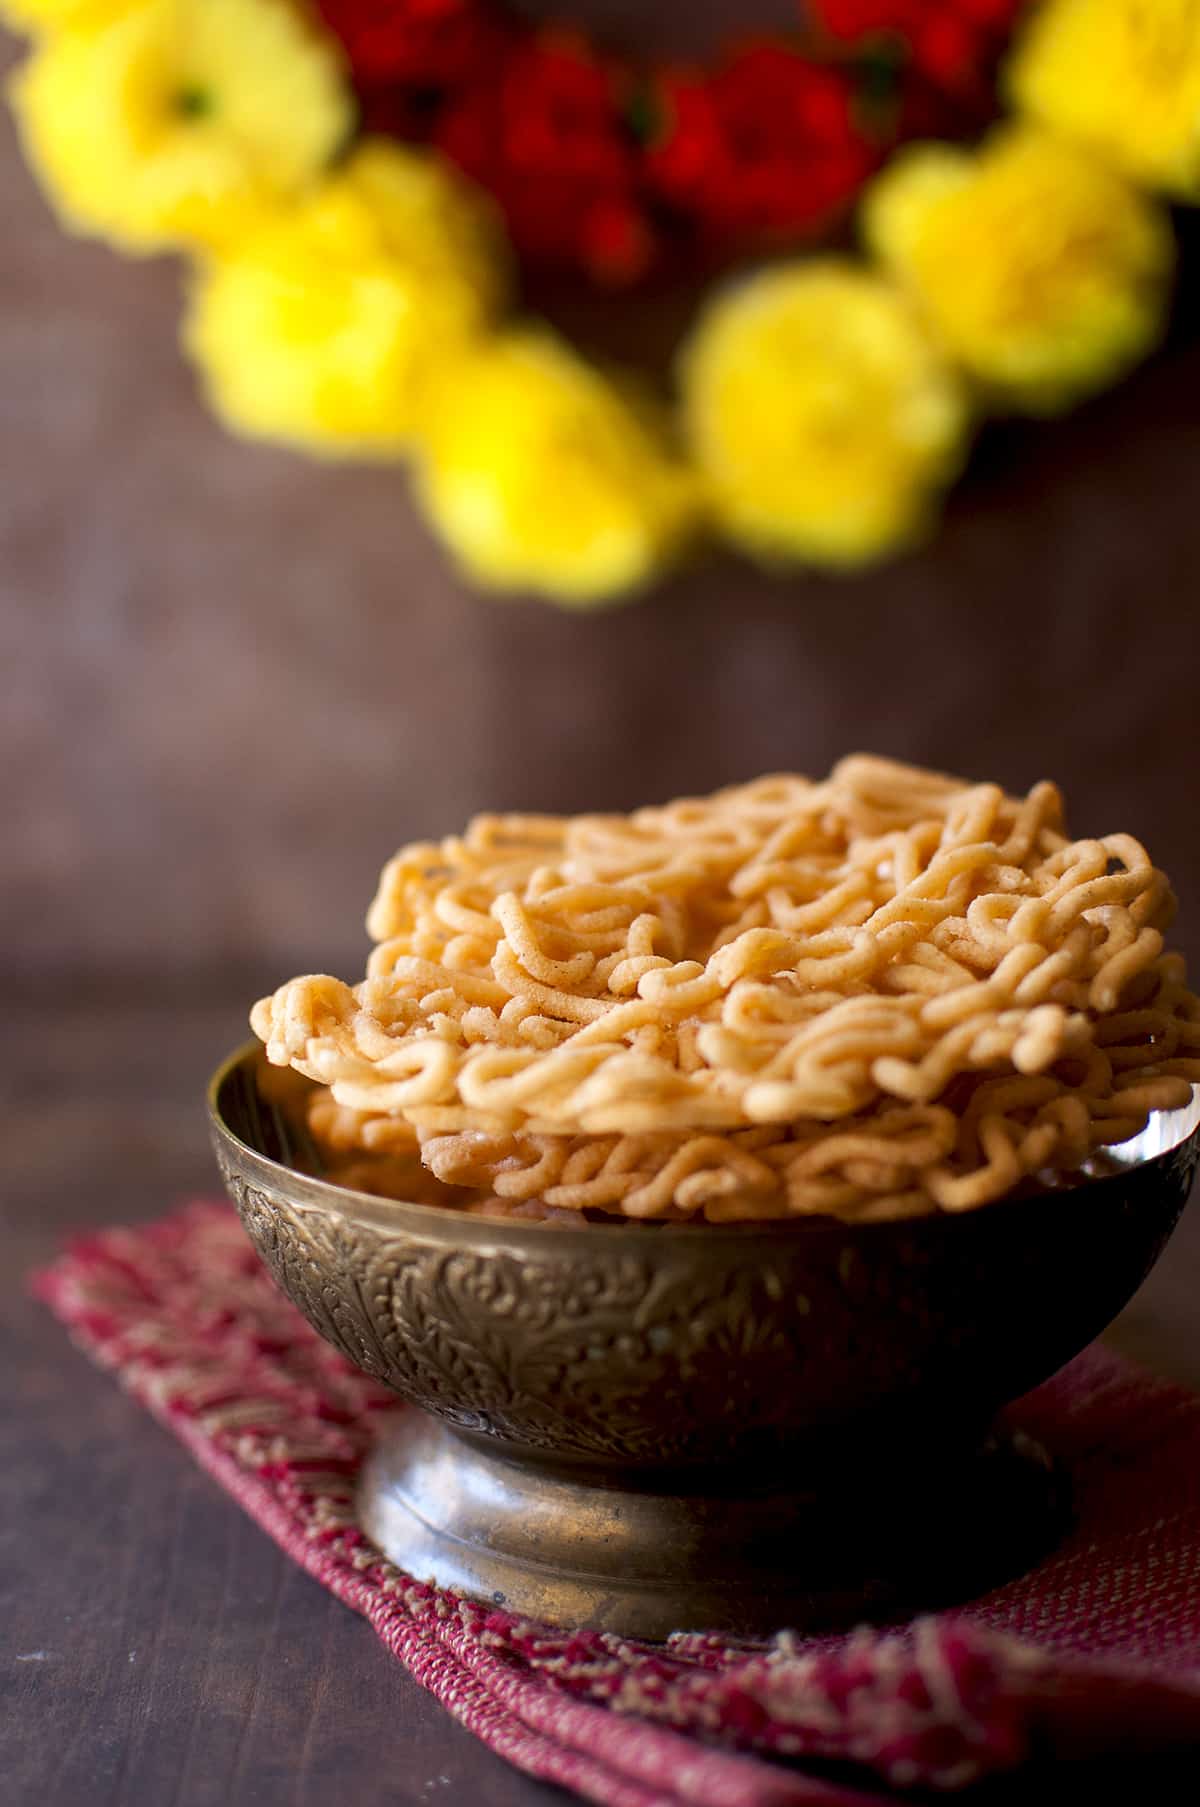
649,1428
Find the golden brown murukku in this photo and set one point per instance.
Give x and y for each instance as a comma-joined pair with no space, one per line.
883,993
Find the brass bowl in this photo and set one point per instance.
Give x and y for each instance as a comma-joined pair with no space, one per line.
649,1428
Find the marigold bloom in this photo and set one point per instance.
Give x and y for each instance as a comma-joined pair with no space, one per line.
540,475
1041,270
321,328
1123,76
821,415
176,121
49,15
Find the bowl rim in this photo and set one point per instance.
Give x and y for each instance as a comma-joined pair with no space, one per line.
412,1216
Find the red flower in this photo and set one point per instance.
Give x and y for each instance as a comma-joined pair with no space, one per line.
951,43
853,20
422,43
617,241
546,134
766,145
600,166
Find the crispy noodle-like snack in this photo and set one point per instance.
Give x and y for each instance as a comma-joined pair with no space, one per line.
877,995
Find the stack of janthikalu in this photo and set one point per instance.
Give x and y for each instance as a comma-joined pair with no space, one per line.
886,993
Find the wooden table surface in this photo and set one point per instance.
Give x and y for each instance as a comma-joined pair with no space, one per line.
158,1651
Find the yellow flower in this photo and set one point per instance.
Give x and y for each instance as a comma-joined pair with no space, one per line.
321,328
1122,75
174,123
50,15
821,415
1041,270
540,475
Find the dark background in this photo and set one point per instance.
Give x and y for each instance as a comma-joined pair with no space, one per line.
233,682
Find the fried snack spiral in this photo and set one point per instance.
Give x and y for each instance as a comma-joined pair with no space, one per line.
880,994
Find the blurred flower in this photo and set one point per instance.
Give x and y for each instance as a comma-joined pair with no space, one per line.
1041,270
175,122
424,43
767,144
952,43
1123,75
821,415
321,328
544,129
541,475
47,15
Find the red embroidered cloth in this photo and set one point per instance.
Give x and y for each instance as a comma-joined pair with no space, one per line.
1098,1649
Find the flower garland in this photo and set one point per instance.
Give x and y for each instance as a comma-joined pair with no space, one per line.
352,294
621,168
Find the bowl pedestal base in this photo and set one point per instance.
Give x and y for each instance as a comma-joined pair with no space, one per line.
647,1554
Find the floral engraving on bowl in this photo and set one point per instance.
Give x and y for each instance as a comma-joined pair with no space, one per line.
554,1353
635,1349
